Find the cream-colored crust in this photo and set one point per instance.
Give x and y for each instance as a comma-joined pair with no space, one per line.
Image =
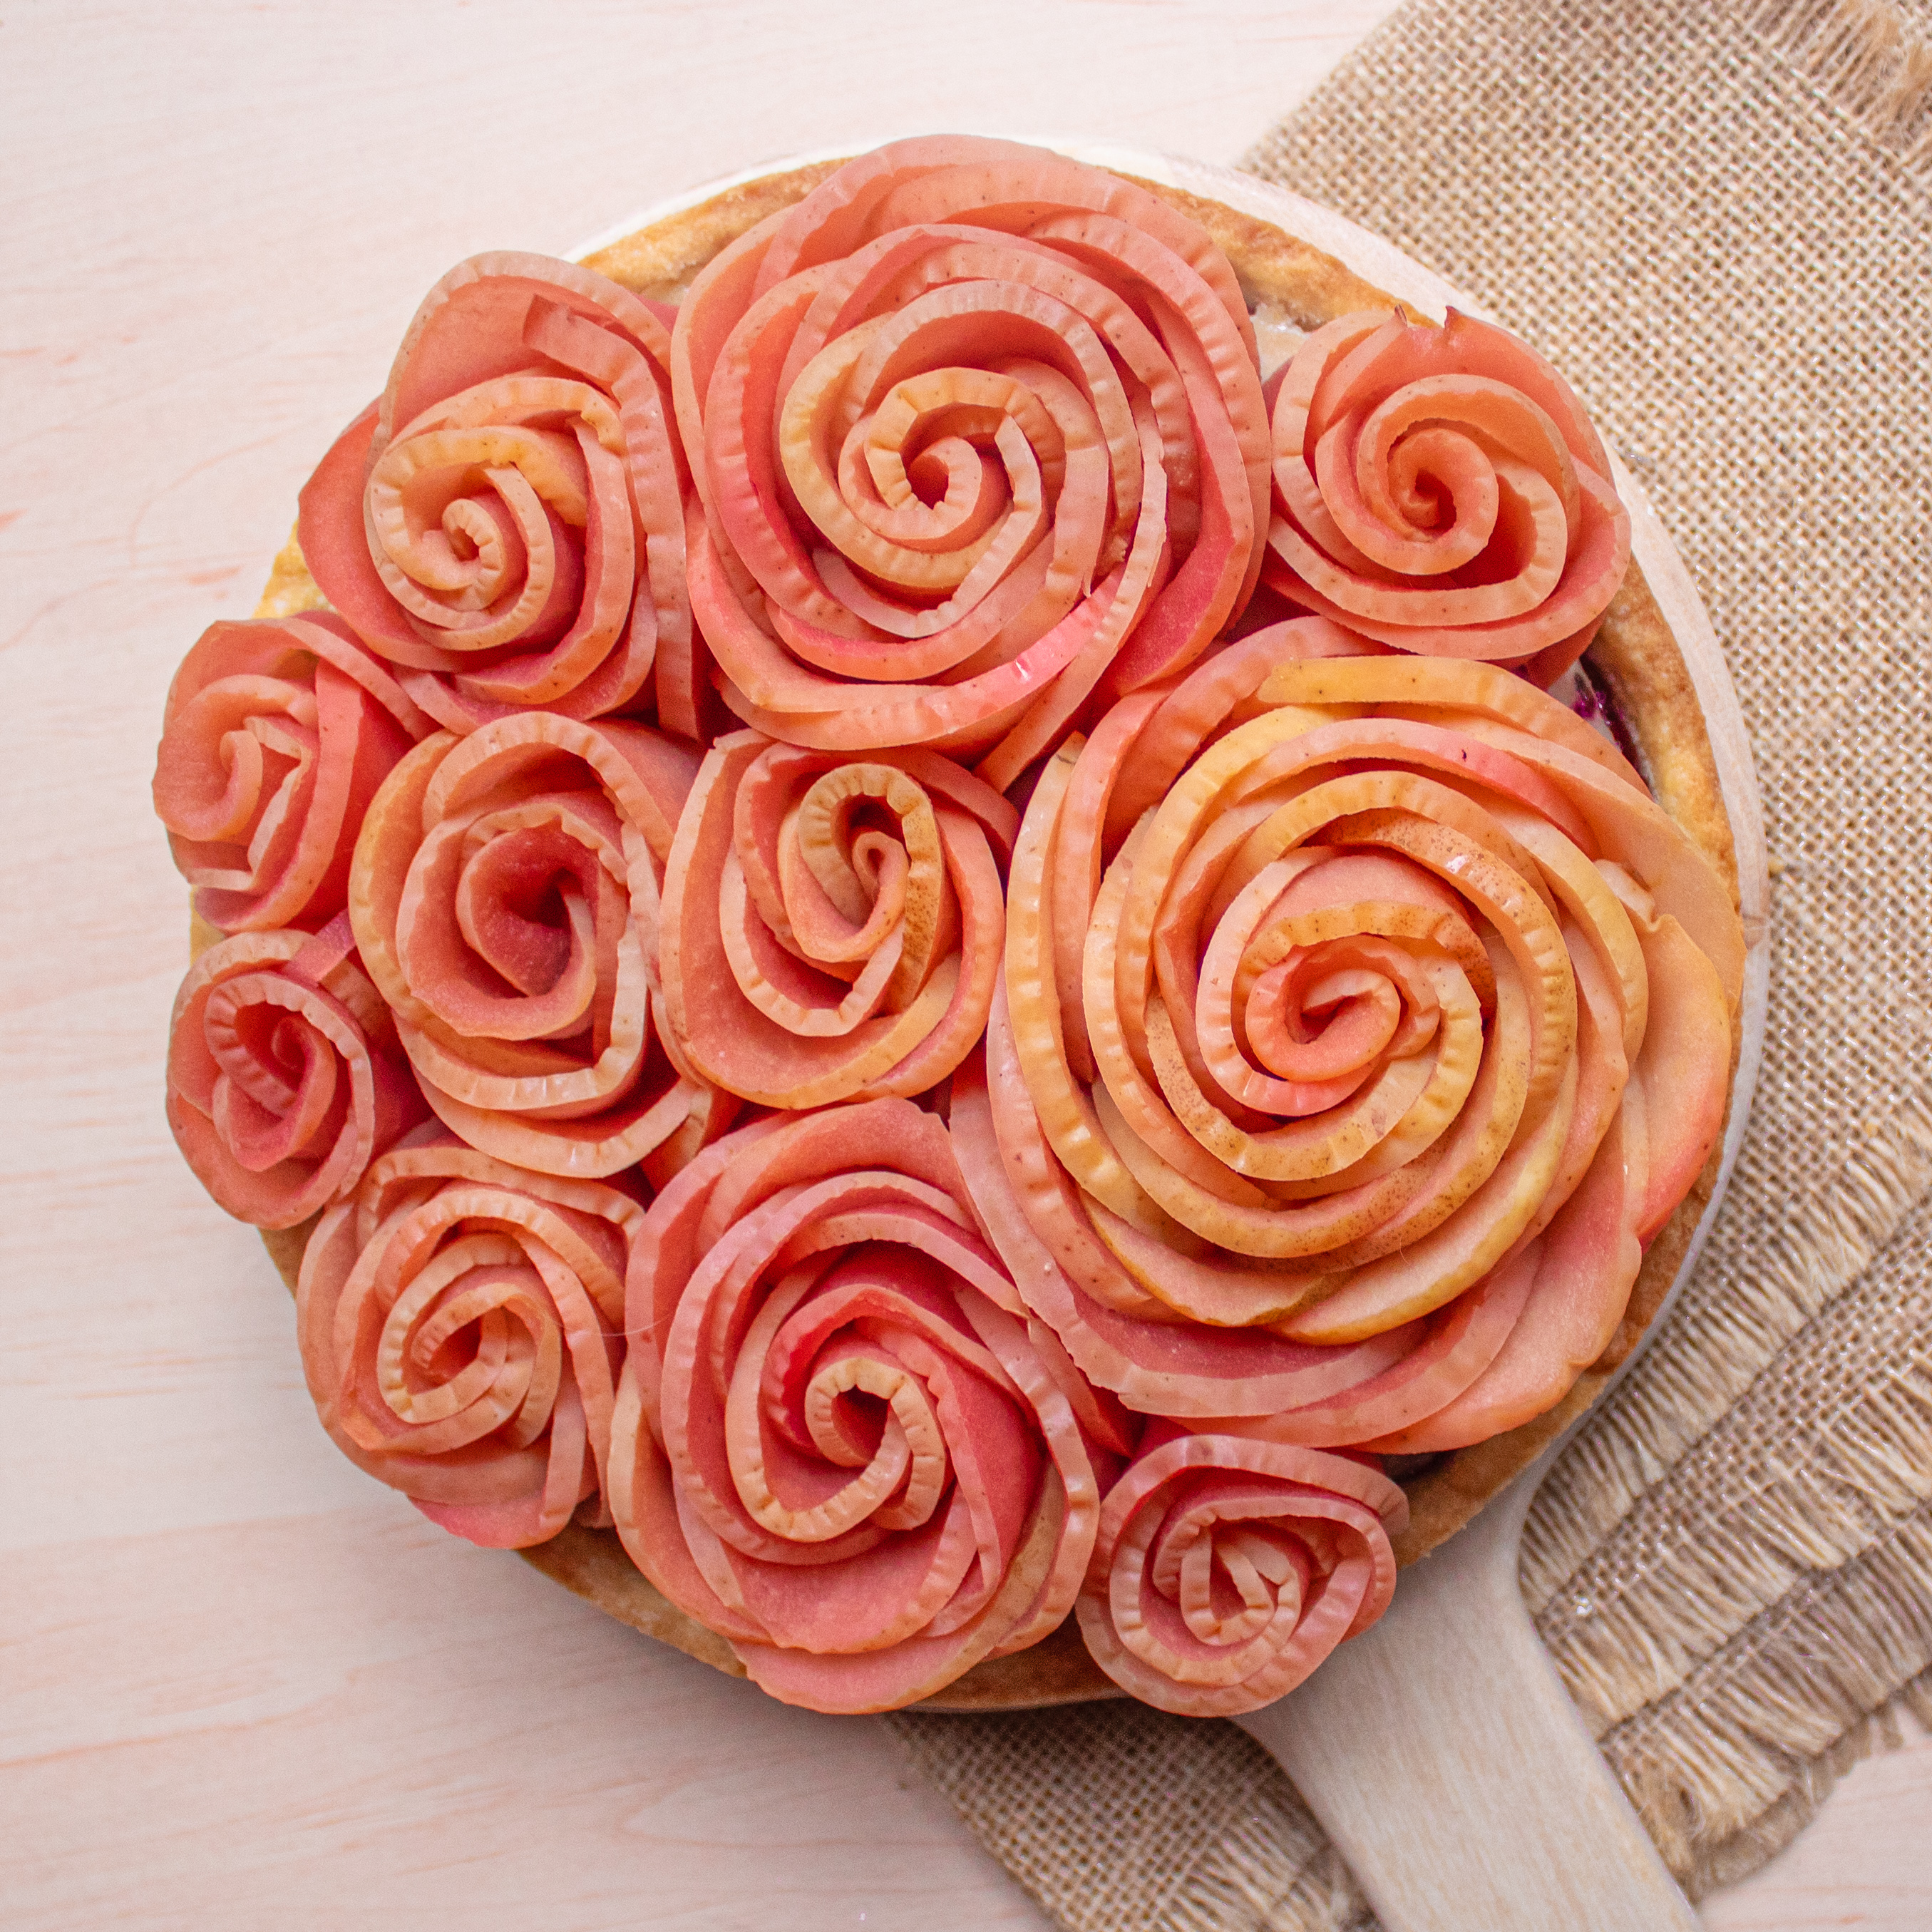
1292,285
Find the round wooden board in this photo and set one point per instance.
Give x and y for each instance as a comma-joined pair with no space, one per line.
1301,265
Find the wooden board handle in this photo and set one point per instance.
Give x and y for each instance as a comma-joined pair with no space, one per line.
1445,1760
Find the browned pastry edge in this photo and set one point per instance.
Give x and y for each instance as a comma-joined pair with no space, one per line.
658,262
1274,267
1634,651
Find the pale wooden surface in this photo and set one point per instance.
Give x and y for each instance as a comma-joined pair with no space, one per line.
240,1686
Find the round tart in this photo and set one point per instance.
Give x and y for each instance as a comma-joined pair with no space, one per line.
1635,681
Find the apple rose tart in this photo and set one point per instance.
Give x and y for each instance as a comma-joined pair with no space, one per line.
974,427
836,1444
1362,1016
460,1329
878,1067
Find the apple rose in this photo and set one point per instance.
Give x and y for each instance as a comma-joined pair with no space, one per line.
833,924
460,1323
277,732
1229,1565
1441,490
1361,1017
836,1444
505,523
974,427
284,1077
504,900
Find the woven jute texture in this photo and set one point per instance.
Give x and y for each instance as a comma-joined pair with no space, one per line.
1715,218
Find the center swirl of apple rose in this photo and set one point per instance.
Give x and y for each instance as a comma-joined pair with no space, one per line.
505,524
1441,490
284,1080
505,898
459,1326
831,925
837,1444
975,427
1230,1564
1320,1008
1318,994
1337,990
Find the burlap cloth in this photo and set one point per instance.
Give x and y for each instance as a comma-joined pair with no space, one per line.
1713,217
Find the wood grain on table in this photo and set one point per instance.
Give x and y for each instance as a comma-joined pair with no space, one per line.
241,1686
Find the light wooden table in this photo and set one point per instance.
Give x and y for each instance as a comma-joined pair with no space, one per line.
240,1686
